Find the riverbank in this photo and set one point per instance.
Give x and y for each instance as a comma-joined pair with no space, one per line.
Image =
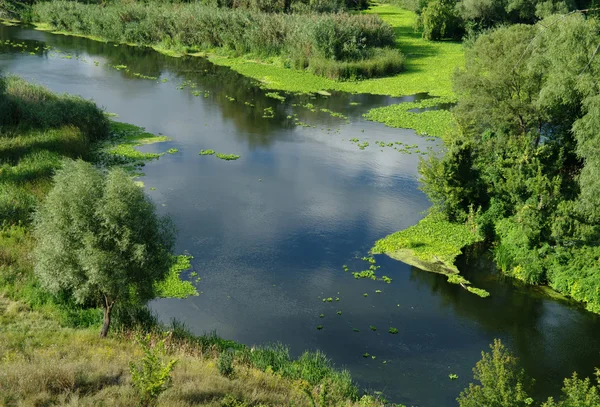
428,67
40,129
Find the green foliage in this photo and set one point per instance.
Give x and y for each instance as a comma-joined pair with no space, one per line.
100,240
225,364
440,20
578,392
393,331
354,45
151,376
502,383
524,165
207,152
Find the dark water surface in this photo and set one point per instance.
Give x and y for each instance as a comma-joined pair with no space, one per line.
270,232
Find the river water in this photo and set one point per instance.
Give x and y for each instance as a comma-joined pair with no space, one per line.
270,232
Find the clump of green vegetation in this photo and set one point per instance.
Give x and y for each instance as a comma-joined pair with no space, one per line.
362,46
373,328
152,376
432,244
364,274
268,113
207,152
355,329
172,150
225,364
319,327
365,295
438,122
227,157
453,376
322,316
120,147
387,279
393,331
345,267
339,312
366,355
275,95
377,291
172,286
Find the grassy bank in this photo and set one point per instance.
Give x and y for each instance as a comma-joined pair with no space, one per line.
50,352
45,363
337,46
433,245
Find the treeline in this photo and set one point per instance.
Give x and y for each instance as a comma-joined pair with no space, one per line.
524,164
453,19
335,45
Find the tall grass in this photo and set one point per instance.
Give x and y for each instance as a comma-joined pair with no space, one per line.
300,39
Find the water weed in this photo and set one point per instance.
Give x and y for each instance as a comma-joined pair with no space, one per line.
172,150
393,331
373,328
207,152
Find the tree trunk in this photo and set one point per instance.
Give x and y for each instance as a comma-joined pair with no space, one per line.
108,304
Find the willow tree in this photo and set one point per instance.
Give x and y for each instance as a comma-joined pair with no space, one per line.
99,239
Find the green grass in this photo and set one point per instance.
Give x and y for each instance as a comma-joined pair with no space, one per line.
173,286
428,65
432,244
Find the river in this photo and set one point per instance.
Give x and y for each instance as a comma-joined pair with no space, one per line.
271,231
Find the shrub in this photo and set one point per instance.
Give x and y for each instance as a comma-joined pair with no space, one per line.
152,376
440,20
225,364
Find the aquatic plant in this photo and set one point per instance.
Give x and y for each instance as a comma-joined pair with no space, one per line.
322,316
372,328
275,95
393,331
268,113
339,312
172,286
329,299
345,267
172,150
319,327
453,376
364,274
207,152
355,329
386,279
378,291
366,355
365,295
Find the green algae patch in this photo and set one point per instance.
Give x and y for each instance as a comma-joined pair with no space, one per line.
173,286
432,244
429,119
120,147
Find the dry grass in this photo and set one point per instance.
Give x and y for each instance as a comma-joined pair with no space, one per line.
42,364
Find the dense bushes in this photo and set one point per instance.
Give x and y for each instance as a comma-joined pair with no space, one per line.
524,163
450,19
300,39
38,129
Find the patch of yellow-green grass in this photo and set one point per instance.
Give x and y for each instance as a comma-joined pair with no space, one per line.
121,146
438,123
432,244
428,66
173,286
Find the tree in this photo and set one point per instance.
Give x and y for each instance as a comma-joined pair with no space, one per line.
503,384
578,393
99,239
440,21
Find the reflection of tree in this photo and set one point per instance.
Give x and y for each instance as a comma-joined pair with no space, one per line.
221,85
544,334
